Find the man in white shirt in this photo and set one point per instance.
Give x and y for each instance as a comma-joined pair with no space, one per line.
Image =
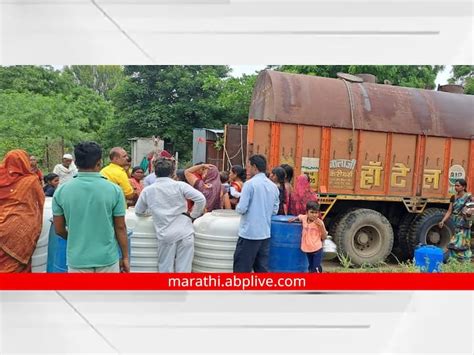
166,200
67,170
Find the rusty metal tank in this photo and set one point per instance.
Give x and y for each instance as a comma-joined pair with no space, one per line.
311,100
358,138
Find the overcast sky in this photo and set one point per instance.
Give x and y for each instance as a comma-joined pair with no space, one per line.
238,70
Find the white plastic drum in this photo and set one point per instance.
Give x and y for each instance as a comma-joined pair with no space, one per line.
144,245
40,255
215,239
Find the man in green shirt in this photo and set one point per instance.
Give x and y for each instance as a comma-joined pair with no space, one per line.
94,211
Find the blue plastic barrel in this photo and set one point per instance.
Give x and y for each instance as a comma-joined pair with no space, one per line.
285,246
56,252
60,263
52,241
429,258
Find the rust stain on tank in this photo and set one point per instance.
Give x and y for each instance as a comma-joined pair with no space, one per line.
421,110
367,105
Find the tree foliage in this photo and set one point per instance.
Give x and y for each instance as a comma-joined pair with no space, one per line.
235,99
416,76
100,78
167,101
463,75
37,103
34,79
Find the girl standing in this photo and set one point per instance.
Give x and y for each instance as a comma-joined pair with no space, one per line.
313,234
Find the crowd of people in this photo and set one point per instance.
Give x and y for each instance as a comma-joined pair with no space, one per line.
90,201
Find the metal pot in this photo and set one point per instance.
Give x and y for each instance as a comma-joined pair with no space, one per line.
329,249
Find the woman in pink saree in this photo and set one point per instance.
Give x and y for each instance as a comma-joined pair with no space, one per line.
301,195
206,179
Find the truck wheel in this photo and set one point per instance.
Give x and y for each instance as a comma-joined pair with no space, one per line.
333,226
425,230
365,236
402,235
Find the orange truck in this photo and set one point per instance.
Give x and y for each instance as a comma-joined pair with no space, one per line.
383,158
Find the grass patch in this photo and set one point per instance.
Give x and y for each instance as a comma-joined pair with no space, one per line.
347,266
454,265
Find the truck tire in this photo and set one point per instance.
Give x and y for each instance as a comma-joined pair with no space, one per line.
402,235
333,226
365,236
425,230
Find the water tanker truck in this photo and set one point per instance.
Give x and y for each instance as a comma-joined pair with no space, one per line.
383,158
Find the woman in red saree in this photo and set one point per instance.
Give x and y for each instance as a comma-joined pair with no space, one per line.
301,195
237,176
21,212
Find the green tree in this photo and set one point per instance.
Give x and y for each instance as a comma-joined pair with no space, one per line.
43,80
235,97
463,75
416,76
100,78
27,119
93,109
37,103
167,101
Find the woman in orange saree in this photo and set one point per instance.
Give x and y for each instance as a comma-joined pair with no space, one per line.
21,212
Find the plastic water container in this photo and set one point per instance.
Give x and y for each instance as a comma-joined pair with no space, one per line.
56,252
285,246
143,243
52,242
429,258
57,262
39,259
215,239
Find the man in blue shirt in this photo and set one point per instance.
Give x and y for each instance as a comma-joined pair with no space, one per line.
259,200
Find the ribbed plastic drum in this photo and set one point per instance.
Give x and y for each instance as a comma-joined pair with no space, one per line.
143,243
285,246
129,236
215,239
39,259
